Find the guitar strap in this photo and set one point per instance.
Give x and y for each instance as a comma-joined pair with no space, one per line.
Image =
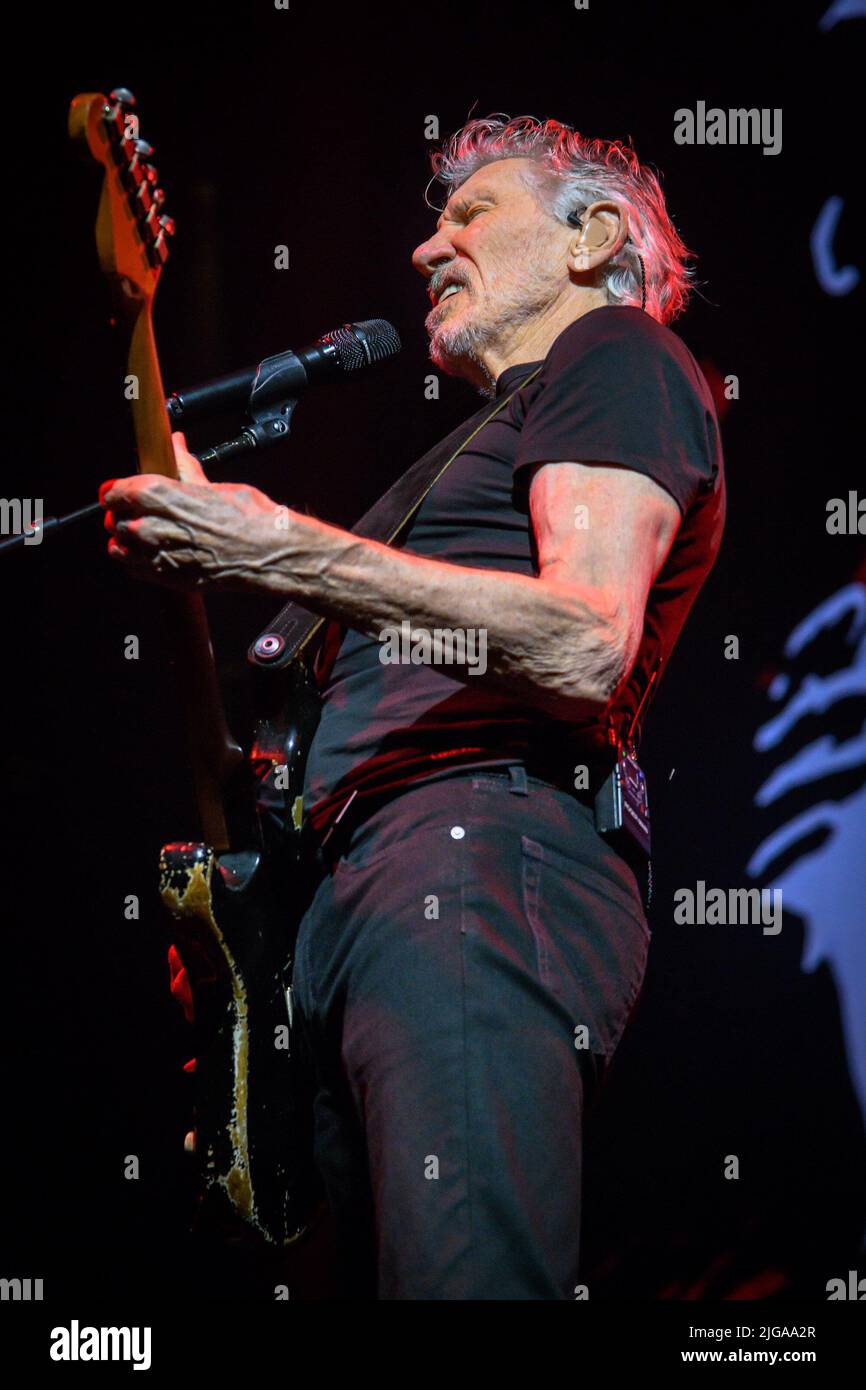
292,630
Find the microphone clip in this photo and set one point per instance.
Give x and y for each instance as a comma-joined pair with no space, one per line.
270,422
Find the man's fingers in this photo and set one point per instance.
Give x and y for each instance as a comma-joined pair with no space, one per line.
121,524
142,494
124,529
125,495
189,470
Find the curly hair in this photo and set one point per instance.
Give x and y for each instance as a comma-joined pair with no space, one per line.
569,172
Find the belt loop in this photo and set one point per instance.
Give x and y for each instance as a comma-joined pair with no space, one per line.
519,785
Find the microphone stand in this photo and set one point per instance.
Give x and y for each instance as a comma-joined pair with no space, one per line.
270,423
48,526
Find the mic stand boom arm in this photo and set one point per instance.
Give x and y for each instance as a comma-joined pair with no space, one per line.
270,423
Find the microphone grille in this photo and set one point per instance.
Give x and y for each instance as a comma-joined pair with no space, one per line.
363,344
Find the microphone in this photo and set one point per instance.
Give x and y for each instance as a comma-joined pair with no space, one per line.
276,379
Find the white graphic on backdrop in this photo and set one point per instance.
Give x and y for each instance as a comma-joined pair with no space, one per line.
825,886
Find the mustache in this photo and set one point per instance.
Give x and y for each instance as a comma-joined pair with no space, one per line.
437,282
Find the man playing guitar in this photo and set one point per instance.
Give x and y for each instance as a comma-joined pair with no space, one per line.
474,944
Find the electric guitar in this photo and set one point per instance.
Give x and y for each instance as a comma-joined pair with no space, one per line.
229,893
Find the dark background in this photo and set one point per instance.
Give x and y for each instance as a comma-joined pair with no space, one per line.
307,128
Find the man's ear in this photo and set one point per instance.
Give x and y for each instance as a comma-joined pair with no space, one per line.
604,229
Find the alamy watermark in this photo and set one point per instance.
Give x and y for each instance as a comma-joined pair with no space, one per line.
21,1290
22,516
737,126
440,646
76,1343
736,906
847,518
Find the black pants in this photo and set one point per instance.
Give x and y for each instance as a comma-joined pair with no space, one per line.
463,976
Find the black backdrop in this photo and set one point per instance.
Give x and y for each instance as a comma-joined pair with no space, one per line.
307,128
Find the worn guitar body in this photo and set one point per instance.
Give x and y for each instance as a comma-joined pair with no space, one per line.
237,894
235,920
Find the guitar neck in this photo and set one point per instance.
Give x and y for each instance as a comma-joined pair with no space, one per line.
214,755
132,239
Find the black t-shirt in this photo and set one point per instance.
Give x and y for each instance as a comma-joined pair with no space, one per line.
615,387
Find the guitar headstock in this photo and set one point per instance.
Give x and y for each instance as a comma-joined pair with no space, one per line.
132,228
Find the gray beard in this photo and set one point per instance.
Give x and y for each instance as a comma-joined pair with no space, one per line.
460,351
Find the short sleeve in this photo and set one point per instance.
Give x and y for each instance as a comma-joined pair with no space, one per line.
617,387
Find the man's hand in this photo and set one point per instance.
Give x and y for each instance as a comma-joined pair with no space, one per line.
192,533
564,639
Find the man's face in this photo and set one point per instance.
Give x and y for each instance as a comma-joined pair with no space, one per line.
505,254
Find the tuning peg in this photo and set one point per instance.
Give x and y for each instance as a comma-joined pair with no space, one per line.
158,250
151,202
143,149
157,198
123,96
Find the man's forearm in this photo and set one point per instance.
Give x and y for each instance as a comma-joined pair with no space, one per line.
550,644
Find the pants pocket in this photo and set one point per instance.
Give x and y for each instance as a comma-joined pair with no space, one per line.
591,942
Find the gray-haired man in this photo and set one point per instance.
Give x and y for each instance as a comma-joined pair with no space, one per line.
469,960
